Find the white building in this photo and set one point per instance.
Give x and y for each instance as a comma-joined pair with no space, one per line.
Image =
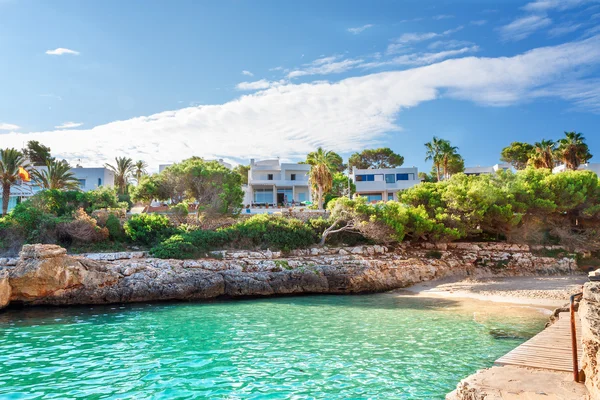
89,179
594,167
383,184
272,182
478,170
162,167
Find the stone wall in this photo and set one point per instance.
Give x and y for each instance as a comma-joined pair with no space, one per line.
44,274
589,309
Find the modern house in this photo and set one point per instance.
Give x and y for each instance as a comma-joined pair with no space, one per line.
273,182
478,170
383,184
162,167
89,179
594,167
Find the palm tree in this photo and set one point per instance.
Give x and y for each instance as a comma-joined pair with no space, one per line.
57,175
10,161
123,169
572,150
433,153
140,170
447,154
542,155
322,163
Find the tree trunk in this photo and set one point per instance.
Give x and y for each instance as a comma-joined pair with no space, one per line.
320,194
5,197
437,168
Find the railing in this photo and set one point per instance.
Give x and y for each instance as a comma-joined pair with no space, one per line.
574,337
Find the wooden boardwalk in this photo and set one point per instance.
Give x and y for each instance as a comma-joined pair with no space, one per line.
549,349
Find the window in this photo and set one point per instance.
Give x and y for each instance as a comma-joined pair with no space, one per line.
402,177
293,177
287,194
390,178
270,177
99,181
369,178
374,197
378,178
301,197
390,196
81,183
262,196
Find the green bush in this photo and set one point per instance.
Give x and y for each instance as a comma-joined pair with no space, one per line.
148,229
270,231
193,244
115,230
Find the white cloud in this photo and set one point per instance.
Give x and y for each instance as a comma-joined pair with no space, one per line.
69,125
563,29
256,85
325,66
522,27
60,51
247,73
546,5
405,39
442,16
359,29
479,22
449,44
416,59
290,120
8,127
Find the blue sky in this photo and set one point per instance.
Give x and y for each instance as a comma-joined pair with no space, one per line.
162,81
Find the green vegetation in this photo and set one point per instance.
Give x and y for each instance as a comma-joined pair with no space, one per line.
147,229
322,166
57,175
445,157
376,158
11,160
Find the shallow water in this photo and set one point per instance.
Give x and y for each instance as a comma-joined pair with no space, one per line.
328,347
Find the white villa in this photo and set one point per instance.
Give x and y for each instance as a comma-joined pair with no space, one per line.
383,184
89,179
273,182
478,170
594,167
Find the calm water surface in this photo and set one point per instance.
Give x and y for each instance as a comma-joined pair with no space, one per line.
327,347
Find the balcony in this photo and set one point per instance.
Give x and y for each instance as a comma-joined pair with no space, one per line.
278,182
380,186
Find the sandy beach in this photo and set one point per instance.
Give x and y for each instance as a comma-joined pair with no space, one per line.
534,291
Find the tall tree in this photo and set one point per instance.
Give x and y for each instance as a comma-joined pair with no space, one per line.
242,170
572,150
434,150
383,157
448,154
322,165
123,169
517,154
10,161
57,175
37,153
139,170
543,154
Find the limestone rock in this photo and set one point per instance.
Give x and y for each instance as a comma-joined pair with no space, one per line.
5,290
39,251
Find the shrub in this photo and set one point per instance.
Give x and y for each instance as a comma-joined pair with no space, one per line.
83,229
12,237
37,225
180,212
193,244
148,229
115,229
270,231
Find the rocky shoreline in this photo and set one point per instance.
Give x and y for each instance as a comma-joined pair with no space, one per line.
46,275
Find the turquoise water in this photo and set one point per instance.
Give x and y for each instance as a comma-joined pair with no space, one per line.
326,347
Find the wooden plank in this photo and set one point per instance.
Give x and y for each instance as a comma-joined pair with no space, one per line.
549,349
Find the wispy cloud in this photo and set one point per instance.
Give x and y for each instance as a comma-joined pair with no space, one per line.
289,120
442,16
400,43
546,5
258,85
52,96
416,59
479,22
356,31
522,27
62,51
449,44
69,125
8,127
564,28
247,73
325,66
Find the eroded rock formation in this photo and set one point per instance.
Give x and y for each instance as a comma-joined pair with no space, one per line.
45,274
589,309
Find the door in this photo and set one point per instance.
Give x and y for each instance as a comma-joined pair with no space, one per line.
280,198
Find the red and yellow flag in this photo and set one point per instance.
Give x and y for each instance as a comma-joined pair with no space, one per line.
24,174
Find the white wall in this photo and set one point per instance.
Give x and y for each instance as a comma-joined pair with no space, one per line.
94,177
